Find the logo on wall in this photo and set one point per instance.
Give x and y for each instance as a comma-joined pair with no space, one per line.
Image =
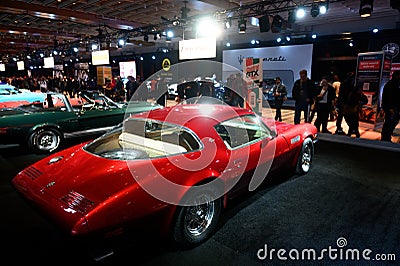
166,64
391,48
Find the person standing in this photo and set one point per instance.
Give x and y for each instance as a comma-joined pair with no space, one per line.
303,93
279,92
350,97
324,102
391,106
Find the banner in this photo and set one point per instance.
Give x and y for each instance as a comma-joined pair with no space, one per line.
373,71
253,75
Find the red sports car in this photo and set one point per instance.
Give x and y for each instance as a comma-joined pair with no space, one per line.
172,170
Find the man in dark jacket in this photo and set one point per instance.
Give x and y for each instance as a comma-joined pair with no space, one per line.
303,92
391,106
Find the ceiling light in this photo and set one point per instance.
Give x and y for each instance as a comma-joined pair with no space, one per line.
366,7
279,39
288,38
314,36
301,12
314,10
242,25
121,42
323,9
375,30
276,25
228,44
169,35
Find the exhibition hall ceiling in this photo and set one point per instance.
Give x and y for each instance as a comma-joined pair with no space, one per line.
30,25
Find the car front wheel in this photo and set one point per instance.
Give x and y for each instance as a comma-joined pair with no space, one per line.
305,158
45,140
195,223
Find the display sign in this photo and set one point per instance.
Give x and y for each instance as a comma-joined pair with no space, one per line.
101,57
198,48
253,75
373,71
127,69
281,61
103,73
2,67
48,62
20,65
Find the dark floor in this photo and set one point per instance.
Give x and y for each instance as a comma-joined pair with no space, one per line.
352,194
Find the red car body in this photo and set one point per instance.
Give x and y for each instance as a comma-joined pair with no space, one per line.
87,193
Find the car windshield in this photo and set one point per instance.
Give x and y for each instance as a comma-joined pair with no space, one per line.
143,139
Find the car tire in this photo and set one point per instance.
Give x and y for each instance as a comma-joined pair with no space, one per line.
45,140
195,224
305,158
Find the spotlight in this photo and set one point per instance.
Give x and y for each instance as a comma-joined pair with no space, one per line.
75,49
291,16
169,35
242,25
366,7
314,10
351,44
153,57
228,23
300,13
263,23
314,36
276,25
288,38
375,30
94,46
228,44
279,39
121,42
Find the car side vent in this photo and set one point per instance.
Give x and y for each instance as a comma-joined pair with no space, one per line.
32,172
77,202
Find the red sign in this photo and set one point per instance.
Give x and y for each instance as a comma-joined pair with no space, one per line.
370,65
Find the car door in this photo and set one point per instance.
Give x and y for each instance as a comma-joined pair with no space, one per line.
251,145
100,117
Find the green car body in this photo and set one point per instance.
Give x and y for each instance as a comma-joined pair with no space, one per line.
43,126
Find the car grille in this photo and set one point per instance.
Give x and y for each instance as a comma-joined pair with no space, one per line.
32,172
77,202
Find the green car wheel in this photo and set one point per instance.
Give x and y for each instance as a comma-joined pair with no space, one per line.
45,140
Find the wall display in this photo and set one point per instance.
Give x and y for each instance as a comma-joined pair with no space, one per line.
282,61
103,73
101,57
373,71
20,65
198,48
48,62
127,69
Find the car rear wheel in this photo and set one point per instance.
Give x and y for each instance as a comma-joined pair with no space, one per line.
305,158
196,223
45,140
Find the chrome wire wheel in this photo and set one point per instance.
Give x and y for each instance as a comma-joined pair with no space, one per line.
199,217
306,158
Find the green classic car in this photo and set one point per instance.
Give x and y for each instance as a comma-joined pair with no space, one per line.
43,126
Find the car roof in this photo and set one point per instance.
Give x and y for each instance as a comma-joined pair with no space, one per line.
195,115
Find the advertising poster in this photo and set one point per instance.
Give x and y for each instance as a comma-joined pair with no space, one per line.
373,71
253,75
103,73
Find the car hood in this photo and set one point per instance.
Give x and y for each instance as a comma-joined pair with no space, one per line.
76,171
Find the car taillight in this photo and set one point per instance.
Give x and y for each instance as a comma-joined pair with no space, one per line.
3,130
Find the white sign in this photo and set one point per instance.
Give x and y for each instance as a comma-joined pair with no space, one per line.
198,48
20,65
48,62
100,57
2,67
280,61
127,69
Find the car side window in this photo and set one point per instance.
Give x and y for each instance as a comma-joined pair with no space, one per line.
241,131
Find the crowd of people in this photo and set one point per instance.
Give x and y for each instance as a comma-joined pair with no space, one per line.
328,100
